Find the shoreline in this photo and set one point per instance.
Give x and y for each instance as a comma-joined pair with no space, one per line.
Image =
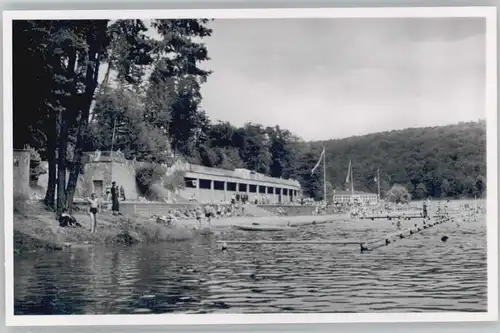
35,228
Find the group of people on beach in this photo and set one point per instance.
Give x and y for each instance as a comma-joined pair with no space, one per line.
200,213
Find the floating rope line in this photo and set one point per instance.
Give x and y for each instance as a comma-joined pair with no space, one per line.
393,237
390,217
263,242
395,217
364,245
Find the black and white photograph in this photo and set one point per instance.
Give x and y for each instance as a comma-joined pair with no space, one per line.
250,166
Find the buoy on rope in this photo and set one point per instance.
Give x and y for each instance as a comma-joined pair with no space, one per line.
224,246
363,248
444,238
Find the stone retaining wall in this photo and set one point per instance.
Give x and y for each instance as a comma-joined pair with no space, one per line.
160,208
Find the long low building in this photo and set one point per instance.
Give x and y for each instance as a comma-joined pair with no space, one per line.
348,196
212,184
203,183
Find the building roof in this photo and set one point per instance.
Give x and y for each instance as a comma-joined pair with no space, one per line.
355,193
241,174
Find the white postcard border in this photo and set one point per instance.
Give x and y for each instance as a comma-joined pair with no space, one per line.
489,13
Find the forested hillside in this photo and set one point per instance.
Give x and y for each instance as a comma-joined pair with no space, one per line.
446,161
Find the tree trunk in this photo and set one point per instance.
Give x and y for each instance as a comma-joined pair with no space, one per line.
61,161
91,78
52,161
77,159
62,151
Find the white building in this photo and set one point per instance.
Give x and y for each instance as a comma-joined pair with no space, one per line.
348,196
213,185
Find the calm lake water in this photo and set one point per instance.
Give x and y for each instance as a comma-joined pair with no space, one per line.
416,274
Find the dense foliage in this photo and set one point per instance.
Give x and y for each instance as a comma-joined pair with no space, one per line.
149,174
445,161
398,194
155,103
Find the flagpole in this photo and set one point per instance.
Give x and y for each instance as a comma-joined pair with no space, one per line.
378,184
112,146
324,174
352,182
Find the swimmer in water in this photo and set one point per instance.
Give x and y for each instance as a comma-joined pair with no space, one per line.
398,223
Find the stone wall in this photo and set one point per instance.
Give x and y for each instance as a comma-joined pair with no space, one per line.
160,208
292,210
21,176
43,180
95,173
101,168
97,176
124,175
150,208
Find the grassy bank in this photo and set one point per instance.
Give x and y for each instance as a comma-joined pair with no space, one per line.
36,228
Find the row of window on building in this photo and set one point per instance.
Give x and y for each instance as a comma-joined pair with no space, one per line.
237,187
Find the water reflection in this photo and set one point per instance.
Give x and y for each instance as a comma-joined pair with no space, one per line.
419,273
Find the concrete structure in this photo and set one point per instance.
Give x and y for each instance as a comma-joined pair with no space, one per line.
215,185
21,176
347,196
98,171
203,183
101,168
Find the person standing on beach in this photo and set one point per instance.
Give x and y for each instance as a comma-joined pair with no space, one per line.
115,204
198,214
219,211
122,193
208,214
233,201
94,208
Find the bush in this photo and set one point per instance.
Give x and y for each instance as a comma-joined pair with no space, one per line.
398,193
147,175
175,180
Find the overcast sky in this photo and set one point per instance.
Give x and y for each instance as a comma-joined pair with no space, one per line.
334,78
